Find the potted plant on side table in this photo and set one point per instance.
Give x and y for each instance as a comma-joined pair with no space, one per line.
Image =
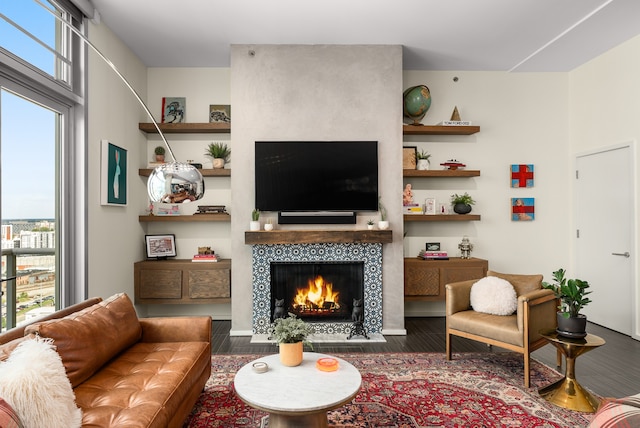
291,333
571,292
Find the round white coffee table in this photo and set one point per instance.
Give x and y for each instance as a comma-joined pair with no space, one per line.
297,396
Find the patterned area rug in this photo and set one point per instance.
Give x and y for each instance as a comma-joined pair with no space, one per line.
410,390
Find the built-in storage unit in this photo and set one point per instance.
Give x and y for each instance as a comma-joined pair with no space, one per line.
181,281
425,279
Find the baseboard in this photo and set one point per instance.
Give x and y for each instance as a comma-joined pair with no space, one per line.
394,332
240,333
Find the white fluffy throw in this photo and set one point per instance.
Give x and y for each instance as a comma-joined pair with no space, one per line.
493,295
33,381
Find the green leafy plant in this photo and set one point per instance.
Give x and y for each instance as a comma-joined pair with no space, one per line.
462,199
571,293
291,330
382,209
218,150
370,222
255,215
423,155
159,151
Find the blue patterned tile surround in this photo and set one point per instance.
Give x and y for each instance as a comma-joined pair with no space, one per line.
370,254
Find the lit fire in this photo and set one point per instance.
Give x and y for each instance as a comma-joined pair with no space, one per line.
318,296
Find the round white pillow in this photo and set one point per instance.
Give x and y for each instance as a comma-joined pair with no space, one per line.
493,295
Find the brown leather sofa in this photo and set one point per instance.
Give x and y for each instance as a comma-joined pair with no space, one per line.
125,371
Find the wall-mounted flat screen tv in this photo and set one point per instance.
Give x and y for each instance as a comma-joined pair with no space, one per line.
316,175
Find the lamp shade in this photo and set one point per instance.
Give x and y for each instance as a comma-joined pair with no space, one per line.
175,183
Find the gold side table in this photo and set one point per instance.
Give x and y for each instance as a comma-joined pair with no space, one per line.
567,392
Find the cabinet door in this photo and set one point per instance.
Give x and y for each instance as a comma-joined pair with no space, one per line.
210,284
421,279
160,284
462,273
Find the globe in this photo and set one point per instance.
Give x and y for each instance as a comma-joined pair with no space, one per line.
416,103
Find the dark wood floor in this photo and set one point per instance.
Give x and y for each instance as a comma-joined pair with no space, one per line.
612,370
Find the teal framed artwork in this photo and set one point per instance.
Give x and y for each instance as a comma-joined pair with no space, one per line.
113,183
523,209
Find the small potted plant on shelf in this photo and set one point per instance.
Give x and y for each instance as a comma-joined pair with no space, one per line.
422,160
291,333
269,224
462,203
220,153
255,220
383,223
369,224
159,153
571,293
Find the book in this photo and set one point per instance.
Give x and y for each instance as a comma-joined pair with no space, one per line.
211,258
433,255
412,209
455,123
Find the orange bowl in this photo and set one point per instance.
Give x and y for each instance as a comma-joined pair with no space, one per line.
327,364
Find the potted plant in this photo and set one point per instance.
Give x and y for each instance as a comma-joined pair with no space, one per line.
220,153
255,220
422,160
268,225
462,203
369,224
571,293
383,223
291,333
159,152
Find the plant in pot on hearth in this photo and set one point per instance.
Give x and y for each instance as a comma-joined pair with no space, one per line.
383,223
220,153
291,333
159,152
422,160
462,203
571,293
255,220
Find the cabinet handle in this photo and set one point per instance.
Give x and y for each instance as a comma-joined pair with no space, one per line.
625,254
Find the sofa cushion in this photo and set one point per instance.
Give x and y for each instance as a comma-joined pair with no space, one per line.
493,295
522,283
88,339
618,413
34,383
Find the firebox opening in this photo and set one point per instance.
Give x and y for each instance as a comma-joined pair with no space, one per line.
316,291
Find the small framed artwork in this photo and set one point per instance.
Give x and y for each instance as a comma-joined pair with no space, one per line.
220,113
173,109
522,209
409,157
522,175
433,246
430,206
160,246
113,174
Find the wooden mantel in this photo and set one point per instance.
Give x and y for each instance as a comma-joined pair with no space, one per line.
318,237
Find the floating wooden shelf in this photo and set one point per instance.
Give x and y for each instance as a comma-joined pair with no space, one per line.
439,130
184,218
187,128
442,217
206,172
441,173
318,237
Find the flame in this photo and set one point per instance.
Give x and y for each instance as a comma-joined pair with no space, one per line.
318,294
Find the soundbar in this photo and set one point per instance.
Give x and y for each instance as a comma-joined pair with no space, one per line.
316,217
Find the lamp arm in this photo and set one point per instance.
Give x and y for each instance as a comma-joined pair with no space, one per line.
120,75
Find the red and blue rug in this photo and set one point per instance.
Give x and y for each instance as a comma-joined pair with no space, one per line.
410,390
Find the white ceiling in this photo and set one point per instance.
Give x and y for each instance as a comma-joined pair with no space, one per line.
494,35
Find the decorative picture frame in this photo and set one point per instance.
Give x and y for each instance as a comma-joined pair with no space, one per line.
219,113
432,246
174,109
113,174
523,209
160,246
430,206
409,157
522,175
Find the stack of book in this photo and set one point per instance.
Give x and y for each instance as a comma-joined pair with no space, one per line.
204,258
412,209
433,255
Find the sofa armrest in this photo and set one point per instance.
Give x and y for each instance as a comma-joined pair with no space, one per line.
541,307
458,296
176,329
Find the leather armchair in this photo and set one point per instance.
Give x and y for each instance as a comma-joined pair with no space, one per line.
518,332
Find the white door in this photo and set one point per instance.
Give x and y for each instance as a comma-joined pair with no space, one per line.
604,236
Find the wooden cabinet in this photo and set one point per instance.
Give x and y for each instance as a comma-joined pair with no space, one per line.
424,280
182,281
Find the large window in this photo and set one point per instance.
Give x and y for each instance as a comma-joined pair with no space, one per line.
41,159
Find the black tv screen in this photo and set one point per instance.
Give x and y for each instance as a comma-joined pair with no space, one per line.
316,175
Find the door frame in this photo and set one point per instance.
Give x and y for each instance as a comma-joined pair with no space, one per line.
635,292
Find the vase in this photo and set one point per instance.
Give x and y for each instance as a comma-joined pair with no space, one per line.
572,327
218,163
422,164
254,226
268,226
370,226
462,208
383,224
291,354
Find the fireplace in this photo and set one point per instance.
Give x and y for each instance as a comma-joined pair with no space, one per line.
319,291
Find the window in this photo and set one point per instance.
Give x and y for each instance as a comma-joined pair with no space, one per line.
41,160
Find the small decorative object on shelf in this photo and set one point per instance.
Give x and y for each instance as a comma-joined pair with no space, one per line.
159,154
268,226
370,224
220,153
407,195
453,164
254,225
220,113
571,292
462,203
211,209
383,224
173,109
172,210
422,160
416,103
465,248
433,255
455,120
